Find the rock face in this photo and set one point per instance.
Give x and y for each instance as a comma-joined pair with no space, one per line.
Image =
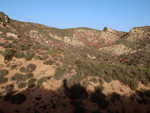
90,37
4,19
118,49
138,39
138,34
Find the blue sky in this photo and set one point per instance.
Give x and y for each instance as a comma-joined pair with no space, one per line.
121,15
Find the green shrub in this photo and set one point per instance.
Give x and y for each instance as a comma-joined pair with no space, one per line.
88,67
59,72
13,66
23,69
127,43
1,44
9,88
29,75
9,53
48,62
35,47
101,82
18,98
31,83
105,29
29,55
14,41
22,85
75,79
3,72
40,81
19,54
57,64
3,80
8,45
9,38
31,67
107,78
44,48
23,46
1,52
36,57
93,80
44,57
144,81
132,83
18,77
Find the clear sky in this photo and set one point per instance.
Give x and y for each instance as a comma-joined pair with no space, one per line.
121,15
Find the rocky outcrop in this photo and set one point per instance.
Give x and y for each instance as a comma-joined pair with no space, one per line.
118,49
138,33
11,35
110,36
4,19
139,37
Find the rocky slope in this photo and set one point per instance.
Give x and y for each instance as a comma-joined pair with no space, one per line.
76,36
78,70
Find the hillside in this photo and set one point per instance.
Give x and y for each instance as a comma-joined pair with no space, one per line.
77,70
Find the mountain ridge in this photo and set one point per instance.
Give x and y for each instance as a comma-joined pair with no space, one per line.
79,35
